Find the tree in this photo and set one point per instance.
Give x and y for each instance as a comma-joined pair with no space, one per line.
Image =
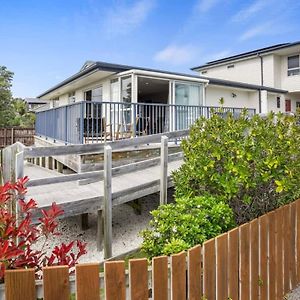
13,111
253,164
6,108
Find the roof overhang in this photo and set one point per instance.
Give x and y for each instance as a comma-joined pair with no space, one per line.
165,75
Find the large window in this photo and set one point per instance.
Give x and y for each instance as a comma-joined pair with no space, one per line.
126,89
293,65
94,94
188,94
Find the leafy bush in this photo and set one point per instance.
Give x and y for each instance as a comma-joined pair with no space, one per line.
185,223
17,236
251,163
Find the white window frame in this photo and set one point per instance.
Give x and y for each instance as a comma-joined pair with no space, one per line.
293,69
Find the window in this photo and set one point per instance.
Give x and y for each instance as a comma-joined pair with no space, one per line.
230,66
71,97
293,65
297,104
278,102
126,89
204,72
94,94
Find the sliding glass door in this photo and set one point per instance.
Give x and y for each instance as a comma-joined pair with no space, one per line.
188,100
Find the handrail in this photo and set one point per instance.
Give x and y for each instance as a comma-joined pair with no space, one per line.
31,152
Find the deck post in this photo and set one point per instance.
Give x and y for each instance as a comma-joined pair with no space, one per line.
99,230
19,173
107,202
163,170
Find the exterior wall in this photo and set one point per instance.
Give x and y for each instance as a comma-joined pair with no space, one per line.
247,71
63,99
242,99
277,72
290,83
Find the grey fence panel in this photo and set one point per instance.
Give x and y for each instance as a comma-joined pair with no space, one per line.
93,122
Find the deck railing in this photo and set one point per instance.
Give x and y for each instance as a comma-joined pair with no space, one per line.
93,122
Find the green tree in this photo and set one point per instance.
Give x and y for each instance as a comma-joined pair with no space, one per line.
6,108
253,164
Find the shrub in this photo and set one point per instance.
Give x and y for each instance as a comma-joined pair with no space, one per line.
185,223
251,163
17,236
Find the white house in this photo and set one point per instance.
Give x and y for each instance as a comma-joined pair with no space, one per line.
105,100
276,66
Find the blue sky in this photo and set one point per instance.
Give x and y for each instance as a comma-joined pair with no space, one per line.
43,42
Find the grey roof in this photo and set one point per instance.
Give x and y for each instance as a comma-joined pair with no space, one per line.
35,101
117,68
247,54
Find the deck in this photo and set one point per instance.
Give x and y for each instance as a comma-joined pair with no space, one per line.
78,199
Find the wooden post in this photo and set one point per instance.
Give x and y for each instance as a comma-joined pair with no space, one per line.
12,136
50,163
164,170
84,218
60,167
19,171
100,230
107,202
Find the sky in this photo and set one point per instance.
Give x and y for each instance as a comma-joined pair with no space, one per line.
45,41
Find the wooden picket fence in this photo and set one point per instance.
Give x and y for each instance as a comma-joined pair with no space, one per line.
9,136
258,260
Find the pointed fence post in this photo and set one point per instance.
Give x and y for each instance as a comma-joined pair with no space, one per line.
163,170
107,202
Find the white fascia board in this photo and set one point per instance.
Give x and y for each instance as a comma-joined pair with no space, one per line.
164,75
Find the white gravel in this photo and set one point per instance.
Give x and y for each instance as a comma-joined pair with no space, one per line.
294,295
126,227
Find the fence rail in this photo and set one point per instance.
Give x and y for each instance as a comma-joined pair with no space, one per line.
94,122
9,136
258,260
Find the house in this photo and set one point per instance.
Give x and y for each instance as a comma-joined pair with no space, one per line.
277,67
111,101
35,104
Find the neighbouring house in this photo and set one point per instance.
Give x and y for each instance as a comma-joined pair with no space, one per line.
105,101
35,104
277,67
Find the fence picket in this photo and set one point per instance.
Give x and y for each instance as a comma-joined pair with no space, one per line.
20,285
293,271
222,266
56,283
286,248
209,270
244,262
87,282
254,259
138,279
272,256
114,280
233,264
194,273
160,278
178,276
279,252
263,254
298,239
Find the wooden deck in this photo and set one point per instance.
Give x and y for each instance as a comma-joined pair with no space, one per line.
77,199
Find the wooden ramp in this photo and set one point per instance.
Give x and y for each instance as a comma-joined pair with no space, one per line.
77,199
98,191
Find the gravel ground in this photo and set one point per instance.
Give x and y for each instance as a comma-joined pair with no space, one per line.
126,227
294,295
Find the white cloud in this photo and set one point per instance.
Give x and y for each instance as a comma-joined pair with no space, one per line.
219,55
176,55
122,19
248,12
262,29
206,5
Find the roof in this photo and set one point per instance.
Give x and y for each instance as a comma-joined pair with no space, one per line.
117,68
247,54
35,101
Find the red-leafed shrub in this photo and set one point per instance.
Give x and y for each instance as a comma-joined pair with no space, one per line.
18,236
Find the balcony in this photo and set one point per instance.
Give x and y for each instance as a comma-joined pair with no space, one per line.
97,122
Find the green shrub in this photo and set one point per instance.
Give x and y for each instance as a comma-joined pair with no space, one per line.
185,223
251,163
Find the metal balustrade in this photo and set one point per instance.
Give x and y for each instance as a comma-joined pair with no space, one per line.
96,122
